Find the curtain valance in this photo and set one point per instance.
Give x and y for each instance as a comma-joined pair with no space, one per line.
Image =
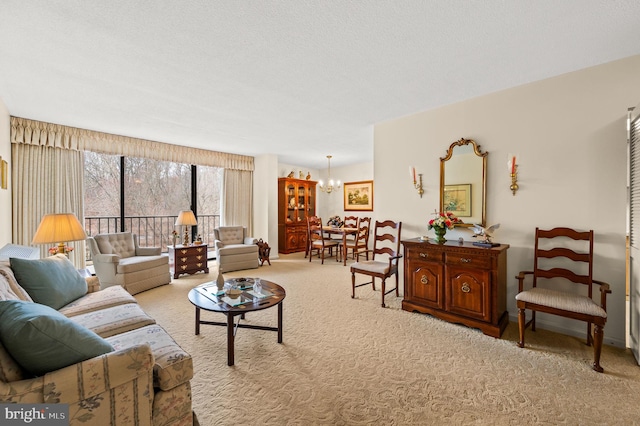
40,133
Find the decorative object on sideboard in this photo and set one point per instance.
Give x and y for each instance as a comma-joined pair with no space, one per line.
441,223
513,172
290,175
331,185
308,176
485,234
186,218
417,184
59,228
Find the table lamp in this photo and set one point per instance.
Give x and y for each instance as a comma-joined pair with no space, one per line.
186,218
59,228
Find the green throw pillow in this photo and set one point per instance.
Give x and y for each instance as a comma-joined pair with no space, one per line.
41,339
53,281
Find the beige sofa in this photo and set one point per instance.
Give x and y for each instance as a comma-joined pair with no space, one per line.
234,250
143,380
119,260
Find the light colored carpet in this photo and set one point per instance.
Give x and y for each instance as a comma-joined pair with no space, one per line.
348,361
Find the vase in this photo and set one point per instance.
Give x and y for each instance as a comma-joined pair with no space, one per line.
440,235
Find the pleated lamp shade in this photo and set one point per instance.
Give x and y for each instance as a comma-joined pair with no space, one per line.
59,228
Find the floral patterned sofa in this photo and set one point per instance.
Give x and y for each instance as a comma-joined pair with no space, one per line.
142,379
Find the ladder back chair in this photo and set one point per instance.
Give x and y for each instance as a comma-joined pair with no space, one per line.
560,259
386,242
319,241
361,242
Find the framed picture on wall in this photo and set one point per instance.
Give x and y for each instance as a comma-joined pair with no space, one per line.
358,196
457,199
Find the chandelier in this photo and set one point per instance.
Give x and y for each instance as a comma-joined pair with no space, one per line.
330,185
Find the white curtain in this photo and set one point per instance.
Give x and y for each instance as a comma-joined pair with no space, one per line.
48,173
46,180
237,205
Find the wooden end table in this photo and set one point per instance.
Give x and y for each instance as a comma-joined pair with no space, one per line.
204,297
188,259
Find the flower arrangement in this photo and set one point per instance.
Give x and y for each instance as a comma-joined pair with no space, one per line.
444,220
54,250
335,221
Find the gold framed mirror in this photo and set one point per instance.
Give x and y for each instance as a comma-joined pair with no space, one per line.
463,184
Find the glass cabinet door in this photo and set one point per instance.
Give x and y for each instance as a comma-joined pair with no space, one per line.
291,203
311,206
301,203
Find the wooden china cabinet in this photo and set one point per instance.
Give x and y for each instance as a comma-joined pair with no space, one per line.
296,202
457,282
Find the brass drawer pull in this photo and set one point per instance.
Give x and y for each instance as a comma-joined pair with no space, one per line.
424,255
199,250
183,267
199,257
465,288
424,280
183,251
463,260
199,264
184,259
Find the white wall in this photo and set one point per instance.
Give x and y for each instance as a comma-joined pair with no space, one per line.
570,134
265,200
5,194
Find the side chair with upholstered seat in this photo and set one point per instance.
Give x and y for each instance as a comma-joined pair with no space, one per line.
318,240
562,258
361,242
386,242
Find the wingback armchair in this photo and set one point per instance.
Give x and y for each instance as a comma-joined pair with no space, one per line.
119,260
234,250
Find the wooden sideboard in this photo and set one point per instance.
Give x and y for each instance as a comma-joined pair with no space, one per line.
457,282
188,259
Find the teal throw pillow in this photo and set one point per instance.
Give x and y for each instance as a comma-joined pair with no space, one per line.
41,339
53,281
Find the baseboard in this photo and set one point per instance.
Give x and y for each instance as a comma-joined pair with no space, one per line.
579,333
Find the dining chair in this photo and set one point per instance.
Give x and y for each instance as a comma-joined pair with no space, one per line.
351,222
319,241
562,264
386,243
361,242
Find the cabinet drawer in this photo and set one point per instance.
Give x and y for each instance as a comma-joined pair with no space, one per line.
455,259
429,255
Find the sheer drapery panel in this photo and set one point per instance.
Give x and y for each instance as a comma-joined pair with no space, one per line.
46,180
237,199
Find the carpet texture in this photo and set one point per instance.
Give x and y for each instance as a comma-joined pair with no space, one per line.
348,361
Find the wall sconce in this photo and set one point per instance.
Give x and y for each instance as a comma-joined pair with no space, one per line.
513,172
417,184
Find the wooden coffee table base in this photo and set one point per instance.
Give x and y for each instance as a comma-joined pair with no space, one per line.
205,296
232,328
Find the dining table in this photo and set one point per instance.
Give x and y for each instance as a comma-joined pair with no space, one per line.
344,231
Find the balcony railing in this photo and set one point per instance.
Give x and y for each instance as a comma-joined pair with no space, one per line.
152,231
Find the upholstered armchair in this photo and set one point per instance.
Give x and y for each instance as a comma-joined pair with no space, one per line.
118,260
234,250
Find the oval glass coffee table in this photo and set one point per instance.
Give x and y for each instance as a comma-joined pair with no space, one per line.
206,296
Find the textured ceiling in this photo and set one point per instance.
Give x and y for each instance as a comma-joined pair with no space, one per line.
299,78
